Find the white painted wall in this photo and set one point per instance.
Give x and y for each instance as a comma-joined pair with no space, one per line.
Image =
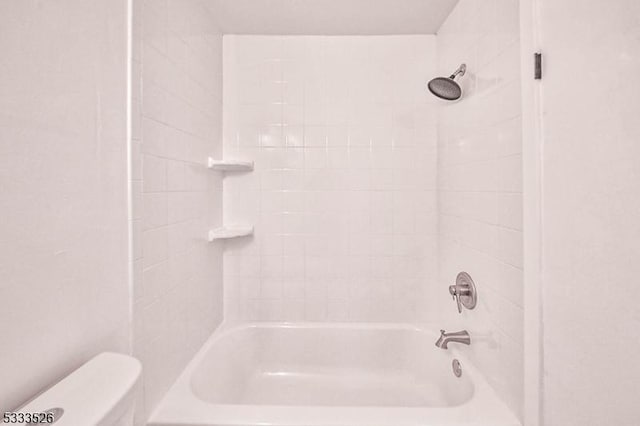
480,189
177,124
591,207
343,133
328,17
63,190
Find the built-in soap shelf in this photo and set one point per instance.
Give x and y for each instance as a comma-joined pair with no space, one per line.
231,231
227,232
230,165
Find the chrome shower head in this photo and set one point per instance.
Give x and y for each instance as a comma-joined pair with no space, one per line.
445,87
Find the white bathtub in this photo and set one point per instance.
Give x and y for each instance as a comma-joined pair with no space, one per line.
329,375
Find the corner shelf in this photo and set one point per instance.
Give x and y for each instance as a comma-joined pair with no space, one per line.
230,165
227,232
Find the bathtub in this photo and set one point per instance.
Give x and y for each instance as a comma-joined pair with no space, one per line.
329,375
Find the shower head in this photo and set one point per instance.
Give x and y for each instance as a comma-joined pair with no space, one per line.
445,87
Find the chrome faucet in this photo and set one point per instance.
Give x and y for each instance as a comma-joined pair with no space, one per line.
458,337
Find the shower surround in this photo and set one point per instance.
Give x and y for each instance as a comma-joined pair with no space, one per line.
367,198
343,197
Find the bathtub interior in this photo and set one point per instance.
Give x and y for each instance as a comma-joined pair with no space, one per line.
306,366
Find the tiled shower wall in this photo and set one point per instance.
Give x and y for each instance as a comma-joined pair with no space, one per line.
343,134
177,114
480,188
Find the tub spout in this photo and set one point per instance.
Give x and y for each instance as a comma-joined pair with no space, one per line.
457,337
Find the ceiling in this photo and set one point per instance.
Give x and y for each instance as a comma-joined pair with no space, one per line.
330,17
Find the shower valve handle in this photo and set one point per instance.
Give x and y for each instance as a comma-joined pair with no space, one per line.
464,292
456,298
456,291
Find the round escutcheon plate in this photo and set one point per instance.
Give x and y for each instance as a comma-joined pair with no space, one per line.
457,368
470,300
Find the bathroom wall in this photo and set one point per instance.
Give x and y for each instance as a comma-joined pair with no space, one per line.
63,190
591,205
480,189
177,115
343,134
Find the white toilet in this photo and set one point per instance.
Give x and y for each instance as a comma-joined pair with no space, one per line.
100,393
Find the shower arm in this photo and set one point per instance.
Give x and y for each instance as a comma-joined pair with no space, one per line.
460,71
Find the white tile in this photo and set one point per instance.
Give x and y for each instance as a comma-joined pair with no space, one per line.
155,210
175,175
154,174
154,246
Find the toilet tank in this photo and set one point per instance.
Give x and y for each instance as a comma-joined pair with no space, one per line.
101,392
